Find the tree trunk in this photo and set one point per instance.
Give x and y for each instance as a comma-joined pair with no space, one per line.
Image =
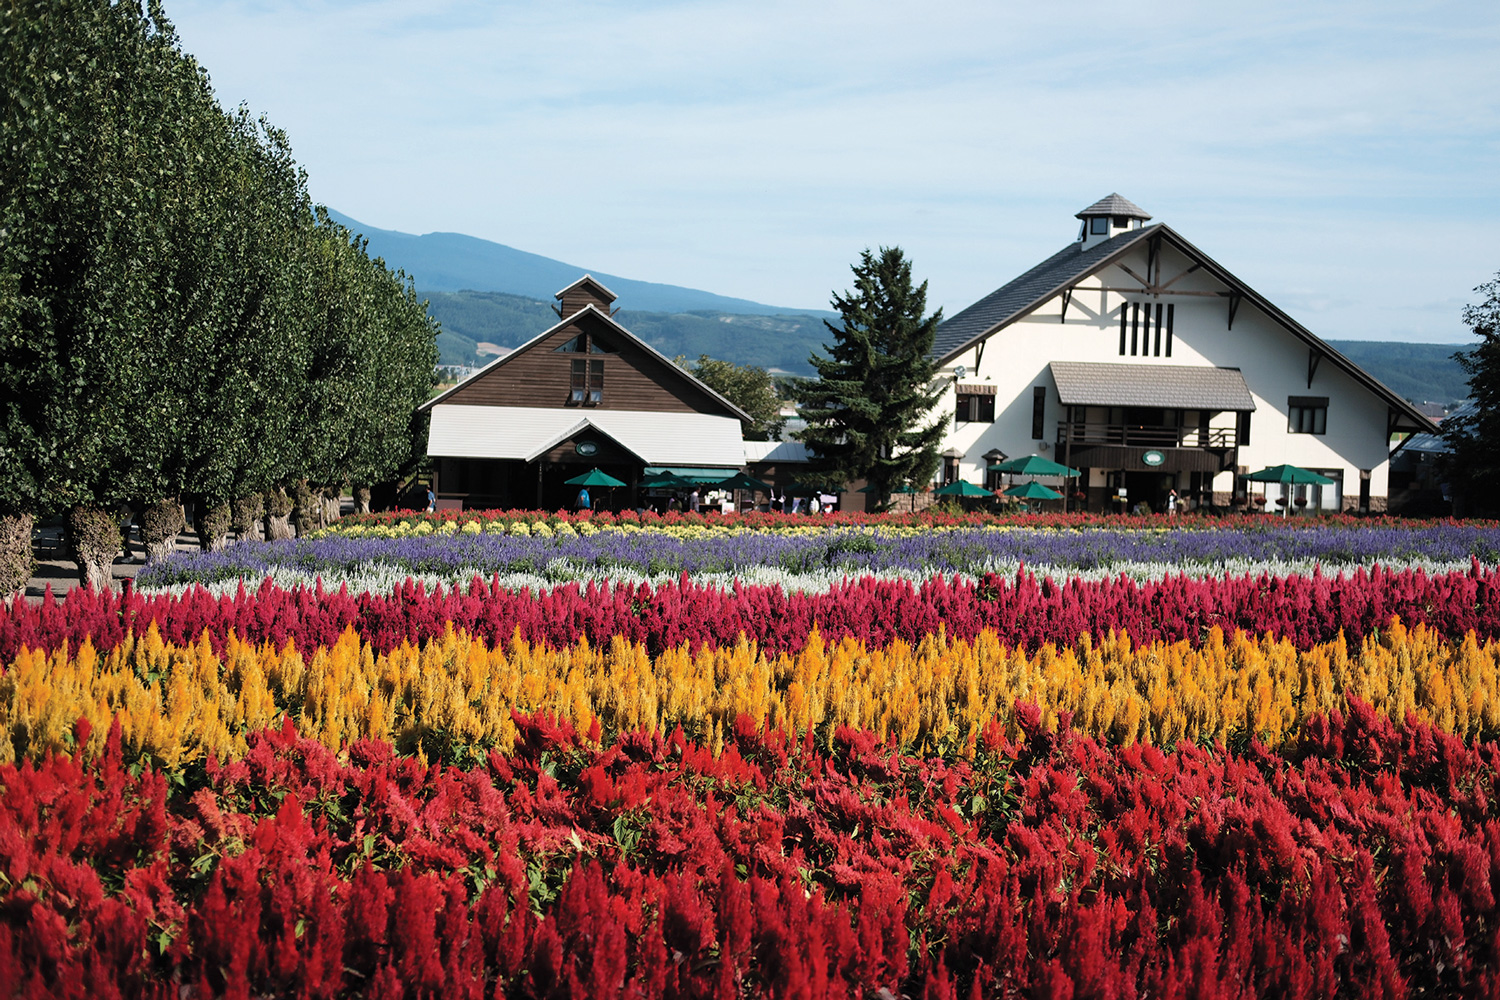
15,553
94,541
211,522
332,509
161,523
278,514
245,517
361,500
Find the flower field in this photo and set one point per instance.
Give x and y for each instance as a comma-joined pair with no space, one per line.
807,556
923,779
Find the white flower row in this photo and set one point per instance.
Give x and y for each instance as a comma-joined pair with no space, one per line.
382,578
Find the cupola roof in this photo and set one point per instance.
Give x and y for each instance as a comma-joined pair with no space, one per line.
1114,205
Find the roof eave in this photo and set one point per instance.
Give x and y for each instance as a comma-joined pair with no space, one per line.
1303,333
1161,229
1047,296
590,307
592,280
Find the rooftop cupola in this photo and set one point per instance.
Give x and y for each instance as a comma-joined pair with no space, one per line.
1109,217
586,291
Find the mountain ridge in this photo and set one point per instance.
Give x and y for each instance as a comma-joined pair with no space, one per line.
454,262
486,292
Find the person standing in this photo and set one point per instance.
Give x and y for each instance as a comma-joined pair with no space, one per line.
1172,502
693,500
431,500
583,502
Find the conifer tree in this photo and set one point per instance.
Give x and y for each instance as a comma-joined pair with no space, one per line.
869,414
1474,465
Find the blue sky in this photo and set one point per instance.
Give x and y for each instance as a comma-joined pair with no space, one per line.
1344,159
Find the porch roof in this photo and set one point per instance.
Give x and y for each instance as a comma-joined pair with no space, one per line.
1172,387
525,433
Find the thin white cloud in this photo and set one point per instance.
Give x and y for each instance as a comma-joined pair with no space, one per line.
1341,155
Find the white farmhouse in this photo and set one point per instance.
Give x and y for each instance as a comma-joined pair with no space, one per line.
1134,357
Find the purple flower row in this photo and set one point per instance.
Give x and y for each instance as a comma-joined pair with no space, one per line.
853,551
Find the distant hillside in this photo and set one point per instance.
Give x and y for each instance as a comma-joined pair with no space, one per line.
470,318
449,262
1423,373
1419,372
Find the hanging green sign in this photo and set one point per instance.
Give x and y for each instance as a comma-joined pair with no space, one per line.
1153,458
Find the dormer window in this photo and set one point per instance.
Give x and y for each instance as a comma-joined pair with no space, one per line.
1099,225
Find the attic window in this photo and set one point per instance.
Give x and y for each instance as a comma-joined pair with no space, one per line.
585,344
1099,225
586,382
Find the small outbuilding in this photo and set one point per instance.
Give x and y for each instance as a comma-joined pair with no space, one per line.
586,393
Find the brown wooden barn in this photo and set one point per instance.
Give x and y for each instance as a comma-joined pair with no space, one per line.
587,393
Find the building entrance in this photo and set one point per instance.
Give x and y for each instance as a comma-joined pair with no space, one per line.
1149,489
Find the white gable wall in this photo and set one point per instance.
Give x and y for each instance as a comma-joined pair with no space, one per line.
1273,361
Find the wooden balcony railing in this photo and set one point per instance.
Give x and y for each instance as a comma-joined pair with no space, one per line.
1144,436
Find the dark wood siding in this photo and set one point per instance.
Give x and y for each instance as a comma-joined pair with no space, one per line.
609,453
634,379
582,296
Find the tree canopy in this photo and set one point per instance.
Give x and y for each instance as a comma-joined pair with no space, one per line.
174,316
1474,465
749,387
869,413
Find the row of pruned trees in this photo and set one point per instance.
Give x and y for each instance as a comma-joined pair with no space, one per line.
176,320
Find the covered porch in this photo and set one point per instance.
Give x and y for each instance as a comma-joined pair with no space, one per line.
518,457
1138,432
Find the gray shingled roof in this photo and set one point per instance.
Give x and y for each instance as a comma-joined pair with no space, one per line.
1026,292
1114,205
1186,387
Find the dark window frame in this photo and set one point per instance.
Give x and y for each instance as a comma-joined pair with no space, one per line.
585,382
1307,415
974,408
1038,412
1099,225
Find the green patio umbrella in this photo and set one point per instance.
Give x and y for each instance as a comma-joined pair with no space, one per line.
740,481
666,481
962,488
1033,491
594,477
1288,475
1032,465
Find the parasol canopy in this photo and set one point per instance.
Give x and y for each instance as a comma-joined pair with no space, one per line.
740,481
594,477
1033,465
962,488
667,481
1033,491
1289,474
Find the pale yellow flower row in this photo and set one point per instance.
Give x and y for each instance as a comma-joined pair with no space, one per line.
178,703
547,529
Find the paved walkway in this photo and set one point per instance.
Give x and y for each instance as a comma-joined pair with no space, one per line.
54,569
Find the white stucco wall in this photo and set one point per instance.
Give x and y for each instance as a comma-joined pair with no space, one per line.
1273,361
